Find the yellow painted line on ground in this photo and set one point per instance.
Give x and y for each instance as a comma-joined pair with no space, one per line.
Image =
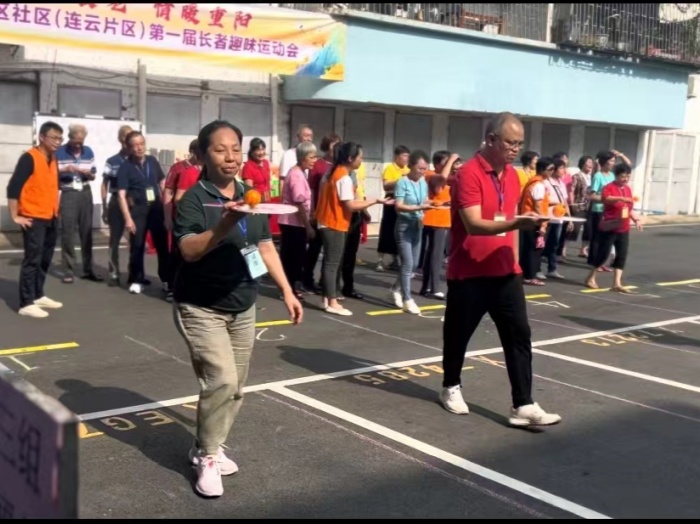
273,323
431,308
36,349
679,283
603,289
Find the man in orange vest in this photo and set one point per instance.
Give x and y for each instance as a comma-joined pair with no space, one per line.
32,196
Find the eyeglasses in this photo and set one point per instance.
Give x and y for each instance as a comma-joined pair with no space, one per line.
511,144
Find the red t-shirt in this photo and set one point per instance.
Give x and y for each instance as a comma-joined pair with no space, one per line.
259,174
616,210
474,256
174,174
188,178
320,169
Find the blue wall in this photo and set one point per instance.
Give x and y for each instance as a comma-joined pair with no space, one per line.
395,65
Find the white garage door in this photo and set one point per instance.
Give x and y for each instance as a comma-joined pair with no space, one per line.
19,104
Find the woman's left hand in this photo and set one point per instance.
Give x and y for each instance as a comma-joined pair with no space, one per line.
296,312
640,226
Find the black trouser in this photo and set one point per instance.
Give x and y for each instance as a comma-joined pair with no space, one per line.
595,237
312,254
434,254
530,256
333,247
293,252
76,216
352,245
606,241
174,261
39,244
387,235
115,220
503,298
147,218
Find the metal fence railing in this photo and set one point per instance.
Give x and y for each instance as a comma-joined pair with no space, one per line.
656,31
516,20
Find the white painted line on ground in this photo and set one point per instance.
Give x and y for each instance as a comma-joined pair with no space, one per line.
620,371
21,251
595,297
430,467
599,393
158,351
449,458
378,367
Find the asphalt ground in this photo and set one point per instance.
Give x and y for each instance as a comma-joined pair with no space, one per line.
341,417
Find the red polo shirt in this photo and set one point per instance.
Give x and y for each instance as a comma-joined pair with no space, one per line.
482,256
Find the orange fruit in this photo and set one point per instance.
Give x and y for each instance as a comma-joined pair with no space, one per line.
252,198
559,210
636,199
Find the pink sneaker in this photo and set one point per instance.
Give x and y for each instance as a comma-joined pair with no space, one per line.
226,465
209,477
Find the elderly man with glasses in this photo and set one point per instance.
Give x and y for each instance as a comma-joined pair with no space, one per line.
76,168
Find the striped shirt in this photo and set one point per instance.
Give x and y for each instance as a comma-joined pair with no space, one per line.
112,168
83,160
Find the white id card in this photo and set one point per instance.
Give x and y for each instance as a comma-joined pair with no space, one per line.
499,217
77,185
150,195
256,266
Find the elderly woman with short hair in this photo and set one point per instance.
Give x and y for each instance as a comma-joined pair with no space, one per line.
296,227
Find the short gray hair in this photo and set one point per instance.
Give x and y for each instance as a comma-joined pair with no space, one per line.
304,149
77,129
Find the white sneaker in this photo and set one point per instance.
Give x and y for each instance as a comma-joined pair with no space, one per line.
209,477
439,295
410,307
226,465
397,299
555,275
135,289
540,276
47,303
33,311
453,401
532,415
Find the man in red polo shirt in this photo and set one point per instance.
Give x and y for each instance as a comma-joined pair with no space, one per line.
483,275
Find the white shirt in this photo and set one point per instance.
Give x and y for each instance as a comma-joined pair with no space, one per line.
289,160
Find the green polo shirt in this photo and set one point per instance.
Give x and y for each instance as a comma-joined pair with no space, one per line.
220,279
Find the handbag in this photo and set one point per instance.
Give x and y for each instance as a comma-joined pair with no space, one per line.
611,224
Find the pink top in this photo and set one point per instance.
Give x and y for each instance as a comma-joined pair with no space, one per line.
295,191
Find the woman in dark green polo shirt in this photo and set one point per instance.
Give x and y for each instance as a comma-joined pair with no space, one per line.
225,252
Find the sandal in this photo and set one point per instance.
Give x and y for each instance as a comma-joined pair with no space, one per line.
618,289
591,285
533,282
68,280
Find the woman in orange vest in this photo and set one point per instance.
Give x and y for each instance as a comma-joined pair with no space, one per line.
336,204
534,198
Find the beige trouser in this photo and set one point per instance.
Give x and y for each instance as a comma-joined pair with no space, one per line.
220,347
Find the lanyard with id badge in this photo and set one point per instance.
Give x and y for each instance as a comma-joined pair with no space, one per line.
150,192
499,216
251,254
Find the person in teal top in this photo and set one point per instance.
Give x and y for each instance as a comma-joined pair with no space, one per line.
411,196
605,175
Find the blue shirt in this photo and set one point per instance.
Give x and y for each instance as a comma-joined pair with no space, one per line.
83,159
136,179
112,169
599,181
412,194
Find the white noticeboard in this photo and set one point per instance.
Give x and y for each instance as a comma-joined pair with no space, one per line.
102,138
38,453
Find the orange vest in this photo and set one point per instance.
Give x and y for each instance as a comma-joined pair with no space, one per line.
329,210
528,204
39,196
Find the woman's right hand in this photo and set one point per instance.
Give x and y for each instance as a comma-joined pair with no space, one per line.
130,226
